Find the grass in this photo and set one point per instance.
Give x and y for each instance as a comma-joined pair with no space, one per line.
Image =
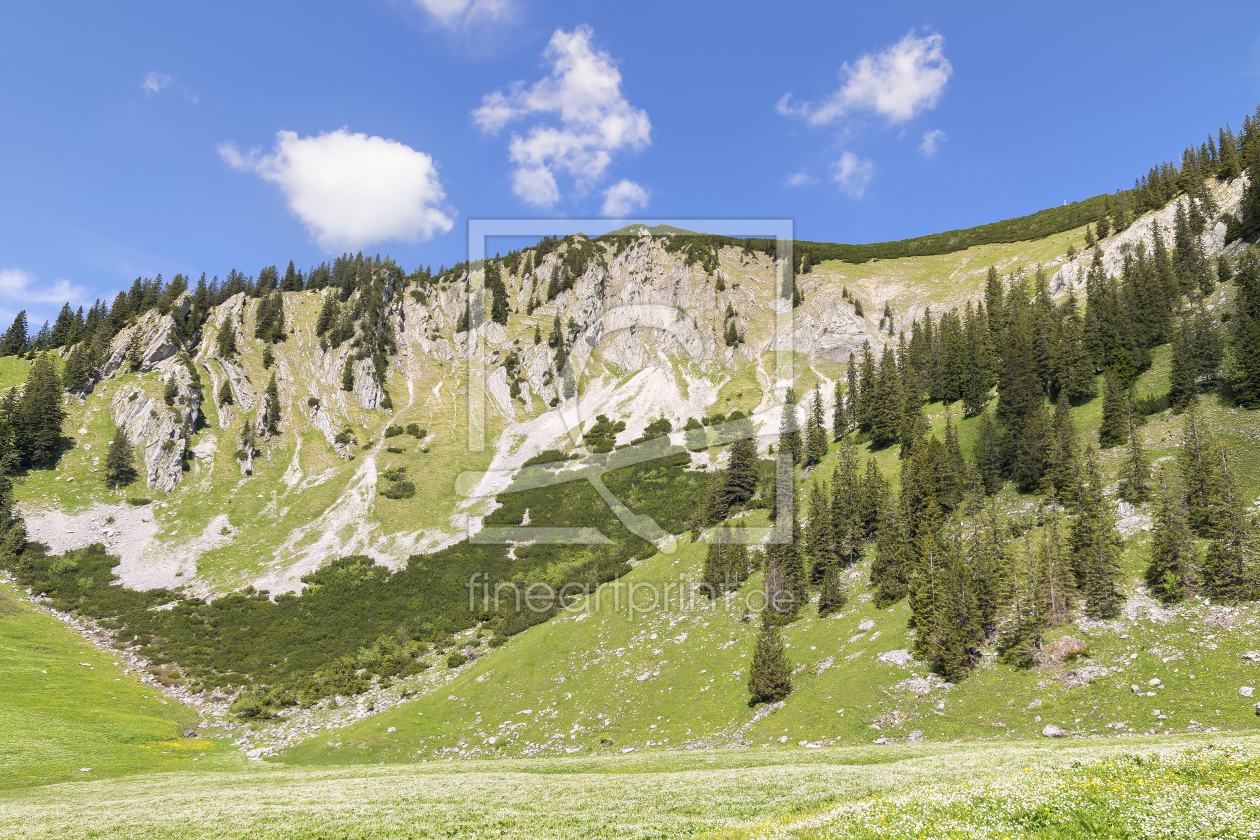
70,712
724,793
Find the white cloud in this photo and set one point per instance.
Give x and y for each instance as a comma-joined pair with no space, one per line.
351,190
583,92
898,83
457,14
18,286
800,179
852,174
930,140
154,82
623,198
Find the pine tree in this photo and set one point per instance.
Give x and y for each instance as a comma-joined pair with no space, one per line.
120,462
74,376
1097,548
740,479
1114,415
15,341
225,393
887,402
1135,472
833,596
815,431
226,341
347,374
1061,472
272,407
770,678
1244,331
1231,569
1183,370
38,416
1172,570
819,536
1201,476
988,456
790,429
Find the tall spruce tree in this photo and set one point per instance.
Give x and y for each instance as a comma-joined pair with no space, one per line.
272,407
887,403
1135,472
120,462
1244,332
790,429
1173,567
1231,569
770,676
1097,548
1201,475
15,341
815,431
38,416
1114,428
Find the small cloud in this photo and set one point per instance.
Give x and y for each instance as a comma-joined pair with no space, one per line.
898,83
592,120
852,174
352,190
800,179
623,198
930,141
459,14
18,286
155,82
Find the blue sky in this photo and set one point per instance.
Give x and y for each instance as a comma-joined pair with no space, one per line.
144,138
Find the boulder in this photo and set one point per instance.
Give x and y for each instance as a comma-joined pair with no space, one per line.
1052,731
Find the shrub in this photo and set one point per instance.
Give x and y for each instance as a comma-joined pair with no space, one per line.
455,660
344,436
313,402
415,431
395,450
393,431
248,706
138,501
548,456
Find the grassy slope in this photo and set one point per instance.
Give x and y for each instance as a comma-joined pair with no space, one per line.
643,795
66,706
574,669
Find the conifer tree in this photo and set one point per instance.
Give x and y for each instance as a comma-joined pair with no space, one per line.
790,429
914,426
225,346
1172,569
38,415
272,407
1183,370
833,595
347,374
1231,569
847,528
1061,472
725,565
887,403
1097,548
1201,476
1244,332
815,431
74,376
770,677
120,463
988,457
819,536
867,381
15,341
1054,576
1033,449
1114,426
1135,471
872,496
840,417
